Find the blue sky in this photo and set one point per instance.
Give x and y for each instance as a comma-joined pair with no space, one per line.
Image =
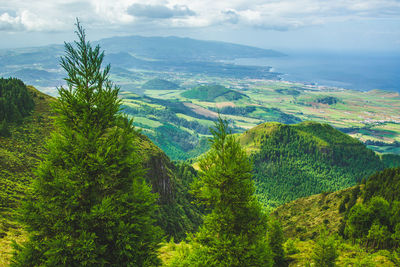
336,25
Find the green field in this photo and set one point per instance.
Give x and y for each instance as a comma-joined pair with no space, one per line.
367,116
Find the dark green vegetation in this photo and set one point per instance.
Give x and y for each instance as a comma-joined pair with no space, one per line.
15,102
89,204
390,160
329,100
375,222
234,230
293,161
213,93
362,222
159,84
276,240
177,215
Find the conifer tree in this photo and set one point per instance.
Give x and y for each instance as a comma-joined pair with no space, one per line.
276,240
89,204
234,232
325,253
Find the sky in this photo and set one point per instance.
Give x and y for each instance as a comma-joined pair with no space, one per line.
334,25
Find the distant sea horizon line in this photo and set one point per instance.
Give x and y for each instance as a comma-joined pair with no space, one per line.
357,71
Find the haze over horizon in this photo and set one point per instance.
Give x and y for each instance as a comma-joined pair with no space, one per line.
340,26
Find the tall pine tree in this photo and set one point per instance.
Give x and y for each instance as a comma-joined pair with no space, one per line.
234,231
89,204
325,252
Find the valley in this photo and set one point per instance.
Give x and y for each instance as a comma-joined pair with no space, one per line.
301,219
371,117
156,79
291,169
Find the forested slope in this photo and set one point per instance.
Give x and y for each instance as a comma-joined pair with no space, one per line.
20,154
293,161
364,220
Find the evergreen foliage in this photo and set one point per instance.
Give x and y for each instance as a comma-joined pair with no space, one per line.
89,204
375,222
325,252
385,184
234,230
180,216
391,160
15,100
276,241
293,161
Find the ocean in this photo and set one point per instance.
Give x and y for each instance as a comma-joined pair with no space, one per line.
360,71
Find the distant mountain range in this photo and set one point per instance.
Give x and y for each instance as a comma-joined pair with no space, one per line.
182,49
39,66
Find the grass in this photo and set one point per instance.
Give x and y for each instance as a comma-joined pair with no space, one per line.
303,217
19,158
375,109
17,235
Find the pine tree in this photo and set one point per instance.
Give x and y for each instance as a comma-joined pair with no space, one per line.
89,204
234,232
276,240
325,253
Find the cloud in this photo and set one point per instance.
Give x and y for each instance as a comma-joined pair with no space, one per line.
25,21
59,15
159,11
9,23
231,16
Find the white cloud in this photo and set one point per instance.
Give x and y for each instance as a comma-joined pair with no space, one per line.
59,15
9,23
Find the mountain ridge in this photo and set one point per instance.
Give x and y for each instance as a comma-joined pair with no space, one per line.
218,49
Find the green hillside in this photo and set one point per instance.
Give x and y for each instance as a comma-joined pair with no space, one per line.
20,154
293,161
159,84
364,221
374,222
213,93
